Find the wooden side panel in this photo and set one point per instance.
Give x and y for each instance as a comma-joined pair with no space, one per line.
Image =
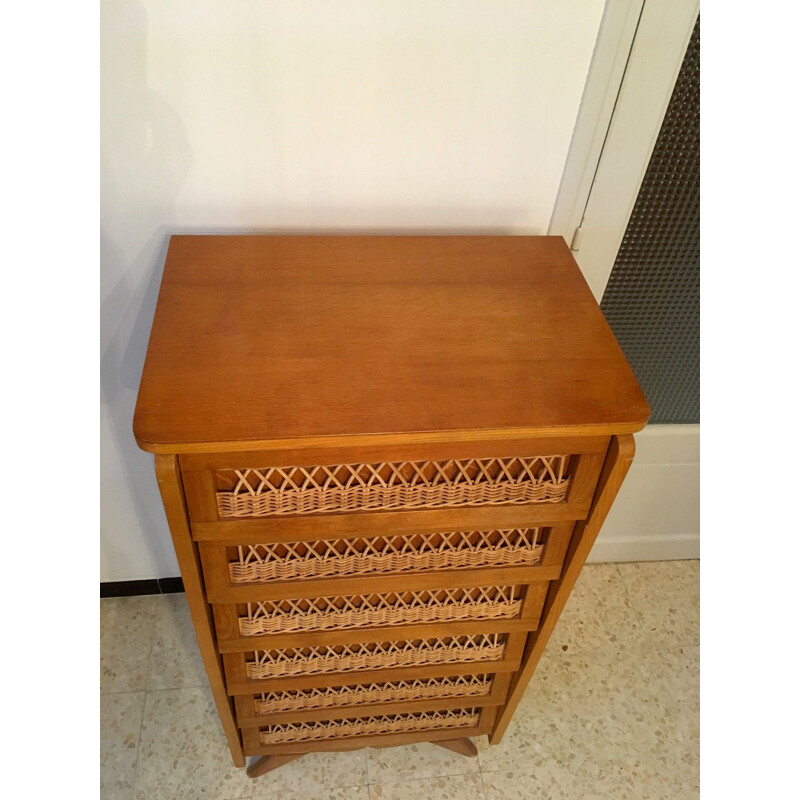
169,483
615,468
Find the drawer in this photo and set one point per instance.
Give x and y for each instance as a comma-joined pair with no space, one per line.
339,612
335,488
327,702
320,483
368,725
277,567
398,729
337,664
370,555
323,618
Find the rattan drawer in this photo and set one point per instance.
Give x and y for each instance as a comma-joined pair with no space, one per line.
331,615
386,486
345,612
443,478
287,668
285,568
331,702
368,725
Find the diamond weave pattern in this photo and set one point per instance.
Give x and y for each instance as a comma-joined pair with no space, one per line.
409,484
375,655
394,691
364,555
393,608
367,726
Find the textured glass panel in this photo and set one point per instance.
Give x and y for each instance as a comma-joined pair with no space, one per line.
652,300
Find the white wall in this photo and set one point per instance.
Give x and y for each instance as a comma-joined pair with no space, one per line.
247,115
656,515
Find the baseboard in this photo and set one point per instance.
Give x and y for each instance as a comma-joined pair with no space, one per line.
676,547
134,588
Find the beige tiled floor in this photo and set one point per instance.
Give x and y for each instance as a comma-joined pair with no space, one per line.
612,711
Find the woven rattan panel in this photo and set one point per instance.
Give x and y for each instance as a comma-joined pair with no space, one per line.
334,696
652,300
358,556
407,484
376,655
369,726
392,608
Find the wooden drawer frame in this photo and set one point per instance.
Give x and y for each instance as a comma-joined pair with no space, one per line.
247,717
220,589
239,684
253,747
201,493
187,489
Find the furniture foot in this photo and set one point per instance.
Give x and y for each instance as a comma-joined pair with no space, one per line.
268,763
463,746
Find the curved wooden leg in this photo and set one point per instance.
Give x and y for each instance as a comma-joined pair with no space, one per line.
463,746
268,763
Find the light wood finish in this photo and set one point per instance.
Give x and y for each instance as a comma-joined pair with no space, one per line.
401,450
169,484
226,627
463,746
239,685
376,583
274,364
443,333
266,764
402,707
253,531
248,716
617,464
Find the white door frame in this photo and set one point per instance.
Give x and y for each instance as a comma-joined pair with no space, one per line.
637,58
639,52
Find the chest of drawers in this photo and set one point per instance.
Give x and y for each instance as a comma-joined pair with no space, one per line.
383,461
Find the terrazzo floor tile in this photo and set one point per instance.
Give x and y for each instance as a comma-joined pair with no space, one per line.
126,633
342,793
175,661
667,595
183,752
611,712
605,713
553,783
416,761
453,787
120,722
314,775
598,612
544,783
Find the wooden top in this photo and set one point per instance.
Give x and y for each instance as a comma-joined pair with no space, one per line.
258,340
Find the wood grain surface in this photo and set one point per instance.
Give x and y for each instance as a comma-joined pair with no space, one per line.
264,339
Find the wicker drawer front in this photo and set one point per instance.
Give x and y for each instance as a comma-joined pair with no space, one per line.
323,558
282,490
377,725
305,567
331,698
389,608
285,662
